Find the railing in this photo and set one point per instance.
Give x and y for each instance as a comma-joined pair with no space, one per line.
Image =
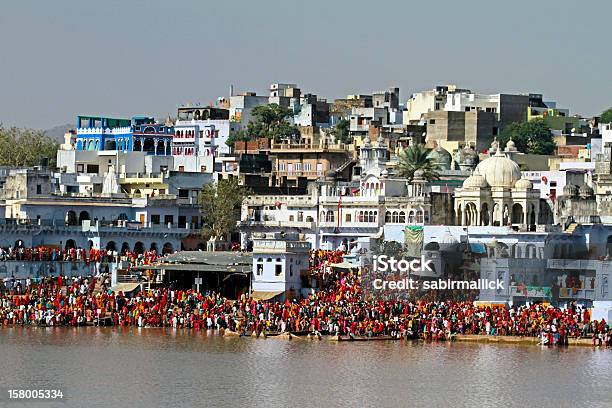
127,278
309,146
297,173
570,293
530,291
579,264
280,224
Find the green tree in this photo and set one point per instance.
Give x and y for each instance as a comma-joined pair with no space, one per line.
220,207
237,136
416,158
532,137
25,147
389,248
341,131
606,116
269,121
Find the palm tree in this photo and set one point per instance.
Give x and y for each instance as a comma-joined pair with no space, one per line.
416,158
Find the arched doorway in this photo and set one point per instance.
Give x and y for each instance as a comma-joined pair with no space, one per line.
70,244
167,249
484,215
139,248
110,144
111,246
153,247
71,218
149,145
517,214
84,215
125,248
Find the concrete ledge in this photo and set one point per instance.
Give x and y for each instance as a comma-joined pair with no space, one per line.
477,338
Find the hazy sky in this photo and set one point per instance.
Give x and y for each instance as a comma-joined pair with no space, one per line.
63,58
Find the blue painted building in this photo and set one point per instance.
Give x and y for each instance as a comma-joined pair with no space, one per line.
141,133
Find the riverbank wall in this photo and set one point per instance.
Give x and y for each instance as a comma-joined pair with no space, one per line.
477,338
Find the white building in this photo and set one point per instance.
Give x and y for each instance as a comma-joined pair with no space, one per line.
279,262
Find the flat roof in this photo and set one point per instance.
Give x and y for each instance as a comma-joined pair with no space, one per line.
220,258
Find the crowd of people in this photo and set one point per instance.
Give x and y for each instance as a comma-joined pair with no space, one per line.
337,309
92,255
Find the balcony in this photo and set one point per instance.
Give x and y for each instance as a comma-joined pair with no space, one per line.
309,147
576,264
277,246
542,292
299,173
570,293
278,224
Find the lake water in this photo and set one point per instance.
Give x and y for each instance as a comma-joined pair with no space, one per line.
103,367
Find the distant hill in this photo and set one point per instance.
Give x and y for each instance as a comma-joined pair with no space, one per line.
57,133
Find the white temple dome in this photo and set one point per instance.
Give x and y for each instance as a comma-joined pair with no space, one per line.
475,181
448,239
523,184
499,171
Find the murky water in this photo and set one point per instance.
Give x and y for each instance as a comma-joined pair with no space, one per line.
103,367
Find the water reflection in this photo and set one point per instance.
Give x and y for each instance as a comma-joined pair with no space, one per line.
165,367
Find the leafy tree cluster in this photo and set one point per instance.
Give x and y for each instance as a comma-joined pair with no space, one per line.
416,157
220,206
532,137
389,248
606,116
270,121
341,131
25,147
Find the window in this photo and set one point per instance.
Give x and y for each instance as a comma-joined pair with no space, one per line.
300,216
181,168
202,169
79,168
259,269
155,219
278,270
38,189
92,168
290,218
182,220
168,219
348,218
495,131
307,167
432,121
182,193
298,166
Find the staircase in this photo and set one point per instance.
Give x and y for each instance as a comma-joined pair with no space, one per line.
345,165
571,228
98,287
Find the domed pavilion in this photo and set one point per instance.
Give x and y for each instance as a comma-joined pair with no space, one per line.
496,195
